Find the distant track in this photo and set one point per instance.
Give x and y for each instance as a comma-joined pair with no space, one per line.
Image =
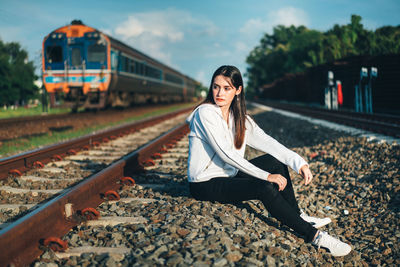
47,117
378,123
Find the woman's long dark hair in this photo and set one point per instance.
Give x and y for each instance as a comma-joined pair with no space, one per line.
238,105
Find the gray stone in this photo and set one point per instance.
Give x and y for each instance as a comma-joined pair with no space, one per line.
220,262
149,248
159,250
200,264
110,262
175,260
271,261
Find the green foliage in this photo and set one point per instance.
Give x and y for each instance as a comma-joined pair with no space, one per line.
200,87
17,75
293,49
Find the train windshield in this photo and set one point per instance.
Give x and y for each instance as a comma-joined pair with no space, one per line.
54,54
76,59
96,53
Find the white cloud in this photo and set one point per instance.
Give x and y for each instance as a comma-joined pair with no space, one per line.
288,16
158,24
254,28
284,16
155,31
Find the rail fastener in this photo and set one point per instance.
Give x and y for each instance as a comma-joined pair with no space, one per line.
127,181
148,163
96,144
156,156
15,172
57,157
56,244
38,165
111,195
90,213
169,145
71,152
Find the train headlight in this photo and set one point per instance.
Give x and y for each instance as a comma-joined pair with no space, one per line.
92,35
56,35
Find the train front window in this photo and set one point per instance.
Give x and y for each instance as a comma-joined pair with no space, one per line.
76,59
96,53
54,54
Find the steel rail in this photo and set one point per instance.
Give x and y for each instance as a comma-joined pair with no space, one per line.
25,161
20,242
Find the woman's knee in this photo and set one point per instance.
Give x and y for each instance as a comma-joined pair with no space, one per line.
268,190
269,163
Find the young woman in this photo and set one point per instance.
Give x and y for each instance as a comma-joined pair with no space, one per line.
220,129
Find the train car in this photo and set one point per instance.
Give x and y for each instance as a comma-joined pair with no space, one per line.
83,67
309,86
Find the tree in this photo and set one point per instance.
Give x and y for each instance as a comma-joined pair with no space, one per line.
293,49
17,75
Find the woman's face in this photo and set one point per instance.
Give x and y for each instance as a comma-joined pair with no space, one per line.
223,91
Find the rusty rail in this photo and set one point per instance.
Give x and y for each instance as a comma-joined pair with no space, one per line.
25,161
20,242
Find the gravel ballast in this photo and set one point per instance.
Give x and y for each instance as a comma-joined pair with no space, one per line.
356,183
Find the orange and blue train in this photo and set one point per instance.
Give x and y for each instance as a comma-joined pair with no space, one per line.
85,68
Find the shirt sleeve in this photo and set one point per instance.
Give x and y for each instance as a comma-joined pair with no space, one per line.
258,139
211,128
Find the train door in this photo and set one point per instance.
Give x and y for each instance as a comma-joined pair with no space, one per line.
76,73
76,59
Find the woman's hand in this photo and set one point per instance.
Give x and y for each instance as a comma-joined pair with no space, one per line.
306,173
277,179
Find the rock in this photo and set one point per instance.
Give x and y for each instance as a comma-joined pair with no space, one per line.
86,256
182,232
160,250
110,262
200,264
220,262
239,232
270,261
387,251
233,256
174,260
149,248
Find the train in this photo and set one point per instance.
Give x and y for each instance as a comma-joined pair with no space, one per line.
83,67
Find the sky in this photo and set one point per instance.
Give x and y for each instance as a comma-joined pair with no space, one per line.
194,37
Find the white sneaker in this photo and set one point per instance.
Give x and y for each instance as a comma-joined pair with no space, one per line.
314,221
335,246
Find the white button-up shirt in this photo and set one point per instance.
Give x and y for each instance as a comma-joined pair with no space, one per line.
212,152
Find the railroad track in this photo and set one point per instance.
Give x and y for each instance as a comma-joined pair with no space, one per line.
17,129
57,188
378,123
58,117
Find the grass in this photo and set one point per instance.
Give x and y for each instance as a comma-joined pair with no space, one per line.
18,145
23,111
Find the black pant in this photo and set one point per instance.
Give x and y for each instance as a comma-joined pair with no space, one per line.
280,204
